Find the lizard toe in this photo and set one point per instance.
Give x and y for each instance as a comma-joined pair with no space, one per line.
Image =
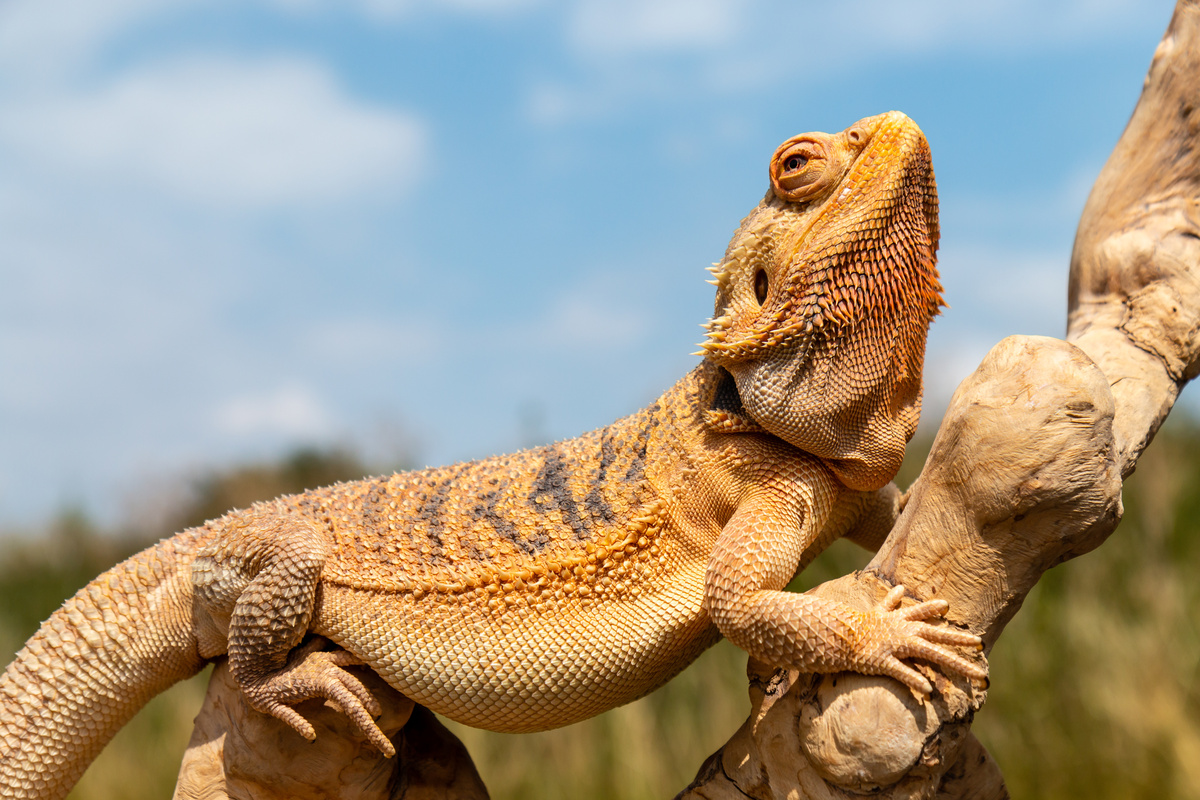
292,718
313,674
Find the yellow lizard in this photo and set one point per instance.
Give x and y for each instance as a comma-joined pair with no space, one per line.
529,591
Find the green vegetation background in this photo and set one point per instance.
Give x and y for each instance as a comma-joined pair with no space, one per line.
1095,684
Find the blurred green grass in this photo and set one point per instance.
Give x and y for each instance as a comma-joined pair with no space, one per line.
1095,683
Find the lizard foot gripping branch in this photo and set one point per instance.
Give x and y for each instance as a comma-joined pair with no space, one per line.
530,591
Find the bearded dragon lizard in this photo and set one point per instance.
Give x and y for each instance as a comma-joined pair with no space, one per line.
529,591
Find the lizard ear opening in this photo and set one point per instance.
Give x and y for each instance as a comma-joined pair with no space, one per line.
726,397
725,412
761,286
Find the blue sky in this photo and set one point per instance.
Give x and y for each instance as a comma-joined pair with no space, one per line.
231,228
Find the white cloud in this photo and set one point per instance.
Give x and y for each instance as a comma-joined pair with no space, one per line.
392,11
624,26
289,411
246,134
42,40
821,34
51,38
995,25
636,51
487,6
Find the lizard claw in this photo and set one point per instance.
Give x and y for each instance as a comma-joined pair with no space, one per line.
899,633
312,673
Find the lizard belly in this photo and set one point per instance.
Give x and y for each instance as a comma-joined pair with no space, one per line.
524,669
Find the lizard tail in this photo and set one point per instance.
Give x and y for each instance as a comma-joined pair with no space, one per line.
122,639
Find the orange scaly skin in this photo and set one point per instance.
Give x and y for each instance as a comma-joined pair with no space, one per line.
529,591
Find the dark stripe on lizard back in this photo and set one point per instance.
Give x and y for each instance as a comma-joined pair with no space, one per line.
551,484
594,501
487,511
430,511
637,467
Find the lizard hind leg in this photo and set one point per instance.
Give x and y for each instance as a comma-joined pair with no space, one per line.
260,582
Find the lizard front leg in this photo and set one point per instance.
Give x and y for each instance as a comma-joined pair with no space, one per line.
258,584
754,558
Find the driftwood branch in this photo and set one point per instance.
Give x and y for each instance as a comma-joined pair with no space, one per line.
1025,473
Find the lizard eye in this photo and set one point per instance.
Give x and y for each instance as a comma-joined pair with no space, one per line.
794,163
796,168
761,286
805,166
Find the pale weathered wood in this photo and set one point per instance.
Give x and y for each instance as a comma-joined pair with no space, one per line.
1025,473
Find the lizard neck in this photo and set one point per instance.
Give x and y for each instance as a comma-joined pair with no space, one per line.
860,436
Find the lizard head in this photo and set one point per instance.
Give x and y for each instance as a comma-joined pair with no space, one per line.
826,292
